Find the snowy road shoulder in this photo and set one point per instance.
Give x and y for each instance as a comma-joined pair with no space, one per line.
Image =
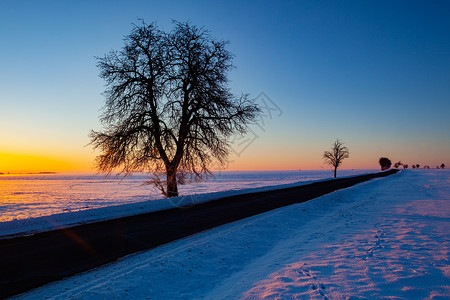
387,237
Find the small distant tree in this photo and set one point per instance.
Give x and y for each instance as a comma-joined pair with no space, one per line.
443,166
417,166
337,154
426,167
385,163
397,164
405,166
413,166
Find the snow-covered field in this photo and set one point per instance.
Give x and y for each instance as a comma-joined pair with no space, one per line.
386,238
32,203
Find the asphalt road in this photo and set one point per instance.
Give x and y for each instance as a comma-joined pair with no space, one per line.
32,261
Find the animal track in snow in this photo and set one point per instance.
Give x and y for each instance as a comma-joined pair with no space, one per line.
377,244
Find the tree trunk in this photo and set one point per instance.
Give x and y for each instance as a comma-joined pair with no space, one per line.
172,188
335,169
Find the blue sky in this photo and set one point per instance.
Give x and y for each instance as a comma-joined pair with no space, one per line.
374,73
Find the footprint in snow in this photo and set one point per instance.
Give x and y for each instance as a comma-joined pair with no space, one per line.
286,279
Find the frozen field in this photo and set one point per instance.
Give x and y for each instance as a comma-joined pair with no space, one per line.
41,202
387,238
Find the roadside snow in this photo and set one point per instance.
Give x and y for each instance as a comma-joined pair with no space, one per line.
386,238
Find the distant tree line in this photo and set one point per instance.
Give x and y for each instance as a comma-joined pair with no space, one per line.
339,152
385,164
415,166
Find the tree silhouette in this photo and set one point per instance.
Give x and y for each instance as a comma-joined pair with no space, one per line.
397,164
417,166
169,110
337,154
385,163
443,166
405,166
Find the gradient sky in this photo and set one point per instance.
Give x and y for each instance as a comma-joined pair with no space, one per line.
375,74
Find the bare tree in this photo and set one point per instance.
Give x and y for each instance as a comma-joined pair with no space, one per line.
385,163
169,110
405,166
397,164
337,154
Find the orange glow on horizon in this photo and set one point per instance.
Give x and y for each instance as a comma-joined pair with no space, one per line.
25,163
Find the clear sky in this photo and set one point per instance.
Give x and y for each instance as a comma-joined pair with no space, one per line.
375,74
